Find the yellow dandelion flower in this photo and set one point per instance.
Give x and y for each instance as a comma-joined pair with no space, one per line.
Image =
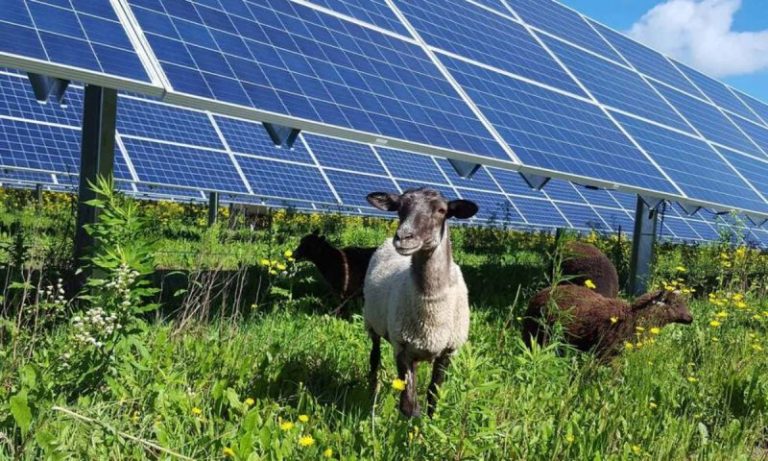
306,441
636,449
272,272
614,319
281,267
715,340
304,418
398,384
197,411
286,425
714,324
692,379
756,317
264,262
328,453
640,329
655,330
288,254
590,284
249,401
721,315
757,347
629,346
737,297
652,405
741,305
681,269
228,452
570,438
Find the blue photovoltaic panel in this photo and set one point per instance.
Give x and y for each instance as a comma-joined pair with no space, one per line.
251,138
616,86
581,216
617,219
564,191
646,60
173,165
353,188
18,100
493,207
759,107
754,170
137,117
414,167
290,59
479,180
718,93
375,12
556,19
680,228
168,192
757,133
446,190
693,165
494,5
466,30
285,180
512,183
345,155
556,132
627,201
20,176
39,147
710,122
597,197
83,34
704,230
539,212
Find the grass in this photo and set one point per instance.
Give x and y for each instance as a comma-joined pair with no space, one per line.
237,387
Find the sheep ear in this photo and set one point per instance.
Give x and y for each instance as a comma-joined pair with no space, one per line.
384,201
461,209
649,299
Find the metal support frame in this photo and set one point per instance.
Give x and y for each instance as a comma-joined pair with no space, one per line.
48,88
38,196
535,181
97,157
464,169
213,208
282,136
646,219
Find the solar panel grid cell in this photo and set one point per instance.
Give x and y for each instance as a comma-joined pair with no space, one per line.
345,155
540,213
353,188
245,137
464,29
582,216
270,178
414,167
616,86
493,207
375,12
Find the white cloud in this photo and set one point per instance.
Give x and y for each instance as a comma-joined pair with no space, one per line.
699,33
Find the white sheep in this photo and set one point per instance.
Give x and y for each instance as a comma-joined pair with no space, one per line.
415,296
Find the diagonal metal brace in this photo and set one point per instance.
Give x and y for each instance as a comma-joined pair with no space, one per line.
535,181
48,88
282,136
464,169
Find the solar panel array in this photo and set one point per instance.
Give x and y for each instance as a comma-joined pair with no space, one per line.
236,158
521,84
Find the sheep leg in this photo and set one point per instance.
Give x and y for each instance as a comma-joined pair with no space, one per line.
409,406
375,360
438,376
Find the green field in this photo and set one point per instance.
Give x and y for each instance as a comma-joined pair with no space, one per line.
196,343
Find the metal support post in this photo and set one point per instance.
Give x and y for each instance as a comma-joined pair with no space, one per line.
643,239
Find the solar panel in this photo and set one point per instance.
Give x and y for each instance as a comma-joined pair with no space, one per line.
466,30
71,39
680,228
646,60
375,12
757,133
617,219
353,187
557,132
480,180
756,171
414,167
693,165
287,59
758,107
582,216
616,86
269,178
245,137
512,183
718,93
559,20
598,197
18,100
708,120
493,207
345,155
539,213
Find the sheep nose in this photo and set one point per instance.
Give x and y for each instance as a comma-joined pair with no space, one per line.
404,235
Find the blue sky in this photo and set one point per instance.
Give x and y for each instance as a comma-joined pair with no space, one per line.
740,29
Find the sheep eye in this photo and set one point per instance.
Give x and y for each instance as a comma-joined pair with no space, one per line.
441,210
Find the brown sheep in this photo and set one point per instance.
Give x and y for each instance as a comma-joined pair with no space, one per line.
343,269
593,322
582,261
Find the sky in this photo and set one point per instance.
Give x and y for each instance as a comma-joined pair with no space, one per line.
727,39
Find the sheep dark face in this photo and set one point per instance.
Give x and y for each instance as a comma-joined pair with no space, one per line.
308,245
422,214
668,307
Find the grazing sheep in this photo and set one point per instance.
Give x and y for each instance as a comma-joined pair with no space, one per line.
594,322
342,268
582,261
415,296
